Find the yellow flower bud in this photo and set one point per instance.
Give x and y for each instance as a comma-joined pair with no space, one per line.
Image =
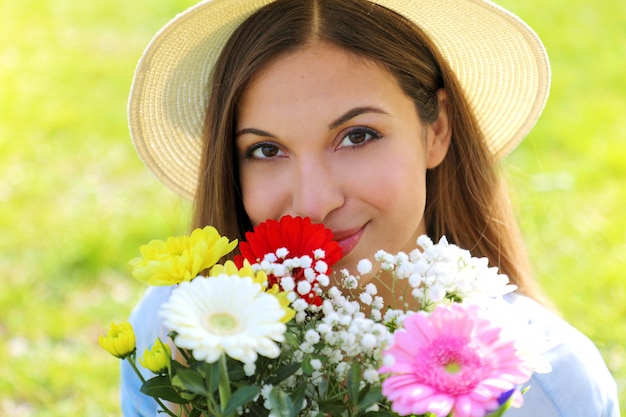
157,359
182,258
119,341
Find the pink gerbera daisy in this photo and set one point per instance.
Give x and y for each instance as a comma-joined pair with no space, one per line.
452,360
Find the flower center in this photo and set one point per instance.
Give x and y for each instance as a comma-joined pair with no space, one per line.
452,367
222,323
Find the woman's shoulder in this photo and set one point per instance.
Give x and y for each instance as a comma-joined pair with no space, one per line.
579,384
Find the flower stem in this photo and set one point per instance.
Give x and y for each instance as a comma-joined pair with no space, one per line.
224,384
131,361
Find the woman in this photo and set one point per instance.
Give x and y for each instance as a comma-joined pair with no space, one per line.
383,120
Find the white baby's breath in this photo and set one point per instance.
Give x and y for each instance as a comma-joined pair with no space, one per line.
366,298
288,283
270,258
304,287
371,376
350,282
444,272
299,305
312,336
371,289
300,316
316,364
323,280
364,266
321,267
310,274
378,303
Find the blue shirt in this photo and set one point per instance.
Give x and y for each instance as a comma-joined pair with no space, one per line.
579,385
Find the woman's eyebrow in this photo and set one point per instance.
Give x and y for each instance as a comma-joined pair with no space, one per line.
350,114
254,131
354,113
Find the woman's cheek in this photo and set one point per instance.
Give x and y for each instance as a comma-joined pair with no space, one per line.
261,193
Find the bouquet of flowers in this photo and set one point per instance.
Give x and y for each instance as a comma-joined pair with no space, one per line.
276,332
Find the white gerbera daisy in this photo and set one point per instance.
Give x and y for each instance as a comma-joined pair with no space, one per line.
225,314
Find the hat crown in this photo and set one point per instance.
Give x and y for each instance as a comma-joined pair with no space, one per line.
499,61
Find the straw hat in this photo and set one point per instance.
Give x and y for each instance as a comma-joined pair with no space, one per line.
499,61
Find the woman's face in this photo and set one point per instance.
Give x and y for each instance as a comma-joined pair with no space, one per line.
328,135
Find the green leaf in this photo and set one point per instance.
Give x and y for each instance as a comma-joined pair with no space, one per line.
291,339
190,380
211,373
307,368
283,372
368,397
236,372
161,387
297,396
354,383
281,404
332,407
256,410
242,396
386,414
187,396
196,412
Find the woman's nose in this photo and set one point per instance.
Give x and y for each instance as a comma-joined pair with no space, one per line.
317,192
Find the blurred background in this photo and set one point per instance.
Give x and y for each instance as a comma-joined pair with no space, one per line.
76,202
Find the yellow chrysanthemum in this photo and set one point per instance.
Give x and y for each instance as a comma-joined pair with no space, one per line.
119,341
182,258
229,268
157,359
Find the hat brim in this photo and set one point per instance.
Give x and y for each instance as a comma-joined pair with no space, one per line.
499,61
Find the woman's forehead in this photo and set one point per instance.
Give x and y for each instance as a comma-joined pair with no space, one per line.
321,75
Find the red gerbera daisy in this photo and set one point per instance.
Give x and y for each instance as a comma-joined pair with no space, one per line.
296,234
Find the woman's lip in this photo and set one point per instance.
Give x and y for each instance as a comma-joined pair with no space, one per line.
348,239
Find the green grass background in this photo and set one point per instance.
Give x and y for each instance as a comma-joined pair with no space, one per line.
75,201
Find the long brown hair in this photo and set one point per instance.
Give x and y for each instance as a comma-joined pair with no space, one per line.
465,199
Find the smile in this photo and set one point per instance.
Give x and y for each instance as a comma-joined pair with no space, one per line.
348,239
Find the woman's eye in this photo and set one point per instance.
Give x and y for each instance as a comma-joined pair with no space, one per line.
358,136
263,151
